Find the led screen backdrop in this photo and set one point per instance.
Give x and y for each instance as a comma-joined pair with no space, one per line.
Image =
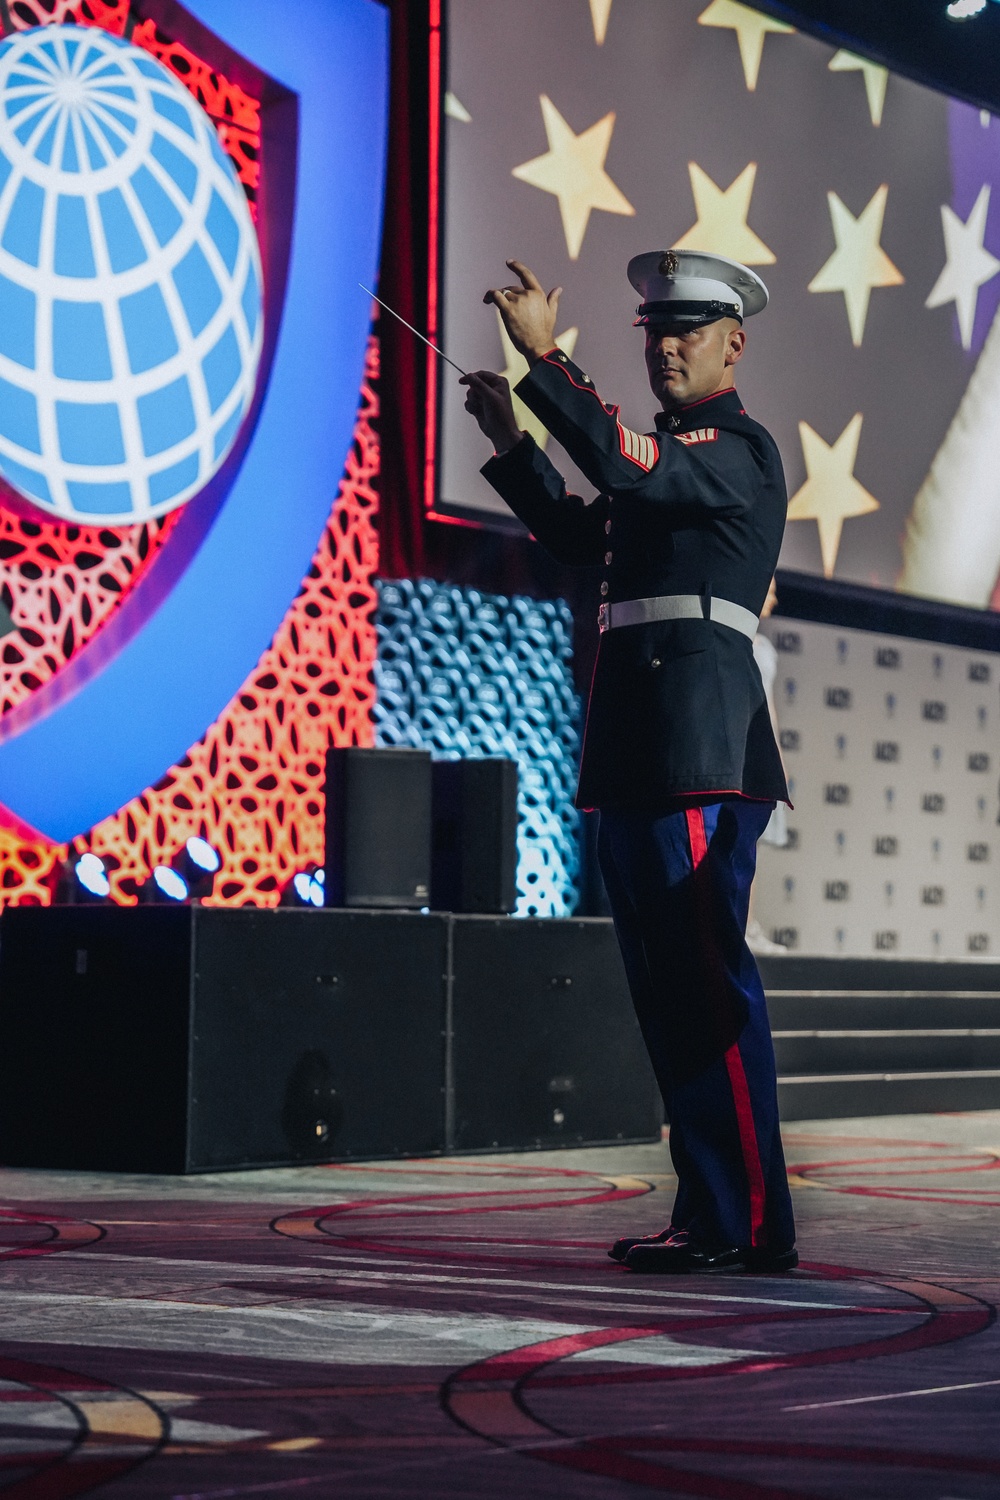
125,242
180,667
866,202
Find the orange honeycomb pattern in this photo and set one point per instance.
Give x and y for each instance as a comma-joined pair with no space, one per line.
60,584
109,15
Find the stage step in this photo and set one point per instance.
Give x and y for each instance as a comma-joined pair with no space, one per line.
883,1036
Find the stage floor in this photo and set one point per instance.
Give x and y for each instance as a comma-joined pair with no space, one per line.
453,1328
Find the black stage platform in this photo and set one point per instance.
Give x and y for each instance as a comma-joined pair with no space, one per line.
194,1038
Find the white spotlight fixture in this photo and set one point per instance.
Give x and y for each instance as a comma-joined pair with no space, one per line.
91,879
197,863
305,888
165,886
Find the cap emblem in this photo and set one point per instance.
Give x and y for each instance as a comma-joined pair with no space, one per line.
669,265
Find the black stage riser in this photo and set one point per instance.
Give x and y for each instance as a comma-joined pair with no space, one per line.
856,1037
196,1039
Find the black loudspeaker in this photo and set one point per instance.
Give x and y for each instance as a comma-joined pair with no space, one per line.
474,840
158,1039
378,828
546,1050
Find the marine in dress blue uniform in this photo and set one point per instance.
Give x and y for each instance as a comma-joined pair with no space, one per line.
679,753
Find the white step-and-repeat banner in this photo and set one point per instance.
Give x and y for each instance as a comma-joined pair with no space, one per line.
891,750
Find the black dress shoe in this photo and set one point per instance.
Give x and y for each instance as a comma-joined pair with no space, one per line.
621,1248
765,1262
682,1259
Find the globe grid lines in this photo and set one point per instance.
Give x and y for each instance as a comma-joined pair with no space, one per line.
54,120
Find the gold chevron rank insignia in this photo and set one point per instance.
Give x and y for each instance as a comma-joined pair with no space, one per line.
641,450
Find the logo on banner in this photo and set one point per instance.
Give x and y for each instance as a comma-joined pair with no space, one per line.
131,320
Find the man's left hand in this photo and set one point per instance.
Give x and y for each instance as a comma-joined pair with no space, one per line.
529,313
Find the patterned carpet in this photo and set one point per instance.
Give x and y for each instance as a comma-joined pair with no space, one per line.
453,1328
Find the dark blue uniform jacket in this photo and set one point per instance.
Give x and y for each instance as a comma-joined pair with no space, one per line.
698,507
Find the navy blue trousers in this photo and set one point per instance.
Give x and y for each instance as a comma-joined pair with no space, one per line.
679,887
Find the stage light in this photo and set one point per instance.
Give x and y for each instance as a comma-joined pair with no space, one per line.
88,881
306,888
197,864
166,885
961,10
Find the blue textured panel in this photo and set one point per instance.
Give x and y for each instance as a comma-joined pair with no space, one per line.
19,417
198,288
24,223
74,252
221,367
17,323
166,417
125,247
178,166
169,482
463,673
224,231
89,432
80,341
149,333
164,220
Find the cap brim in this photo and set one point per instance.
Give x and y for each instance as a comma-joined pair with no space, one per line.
685,314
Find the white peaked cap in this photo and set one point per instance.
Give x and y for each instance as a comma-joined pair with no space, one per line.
688,286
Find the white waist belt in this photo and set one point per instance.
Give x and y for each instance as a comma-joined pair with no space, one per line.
677,607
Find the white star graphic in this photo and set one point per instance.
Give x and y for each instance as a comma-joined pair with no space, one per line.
751,28
722,227
831,494
573,170
875,76
968,266
859,263
600,10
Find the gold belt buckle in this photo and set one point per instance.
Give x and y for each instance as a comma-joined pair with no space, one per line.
604,617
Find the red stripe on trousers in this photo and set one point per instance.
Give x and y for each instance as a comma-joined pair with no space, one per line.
734,1063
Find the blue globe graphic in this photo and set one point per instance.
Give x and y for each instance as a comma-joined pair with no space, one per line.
130,282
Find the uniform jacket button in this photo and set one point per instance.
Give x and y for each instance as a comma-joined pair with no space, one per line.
604,588
607,528
655,662
607,558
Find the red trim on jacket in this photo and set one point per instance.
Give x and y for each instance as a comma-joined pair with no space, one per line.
560,364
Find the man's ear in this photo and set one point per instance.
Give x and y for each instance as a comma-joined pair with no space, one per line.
735,344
